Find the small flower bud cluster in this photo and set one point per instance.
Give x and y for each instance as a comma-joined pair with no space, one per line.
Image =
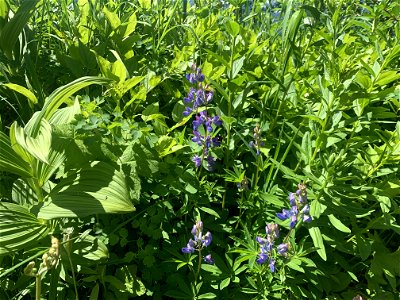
203,125
299,207
256,143
243,185
49,260
199,241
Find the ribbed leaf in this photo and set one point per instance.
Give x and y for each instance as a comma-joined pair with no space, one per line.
39,146
13,28
96,189
23,195
58,97
10,161
18,228
65,115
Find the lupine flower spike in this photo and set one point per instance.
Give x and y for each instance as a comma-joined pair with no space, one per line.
204,125
299,207
199,241
256,143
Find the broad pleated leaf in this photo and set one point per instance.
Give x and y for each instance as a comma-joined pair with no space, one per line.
19,228
23,195
65,115
96,189
10,161
39,147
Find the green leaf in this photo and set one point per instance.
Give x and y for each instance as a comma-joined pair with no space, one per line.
207,296
112,18
316,236
10,161
23,91
23,195
96,189
13,28
387,77
19,228
237,66
65,115
232,27
89,248
338,224
210,211
56,98
39,146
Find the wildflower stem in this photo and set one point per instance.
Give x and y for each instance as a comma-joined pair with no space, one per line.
196,276
38,286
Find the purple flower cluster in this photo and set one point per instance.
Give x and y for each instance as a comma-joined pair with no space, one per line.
199,94
205,140
299,207
256,143
199,241
267,246
203,125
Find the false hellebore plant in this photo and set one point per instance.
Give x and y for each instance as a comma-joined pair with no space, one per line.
299,211
198,98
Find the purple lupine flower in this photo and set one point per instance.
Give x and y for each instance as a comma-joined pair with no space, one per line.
282,249
272,265
217,121
189,247
293,221
200,95
199,240
299,208
187,111
292,199
216,142
207,239
208,259
210,162
262,258
285,214
197,161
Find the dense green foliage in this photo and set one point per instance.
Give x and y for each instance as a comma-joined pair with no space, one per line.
98,186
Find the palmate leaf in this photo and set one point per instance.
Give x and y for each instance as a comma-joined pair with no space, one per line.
96,189
18,228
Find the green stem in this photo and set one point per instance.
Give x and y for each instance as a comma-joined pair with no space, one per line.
38,287
196,276
73,273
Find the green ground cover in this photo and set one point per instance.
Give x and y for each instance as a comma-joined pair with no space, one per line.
199,149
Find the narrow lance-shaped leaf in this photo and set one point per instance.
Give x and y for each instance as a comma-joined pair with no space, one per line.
316,236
